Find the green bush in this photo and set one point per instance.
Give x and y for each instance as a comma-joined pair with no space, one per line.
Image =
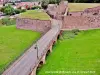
45,4
2,9
23,10
17,11
1,22
8,21
69,34
52,1
36,7
58,1
8,10
75,31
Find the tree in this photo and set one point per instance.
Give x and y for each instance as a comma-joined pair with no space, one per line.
17,11
58,1
96,1
45,4
8,10
52,1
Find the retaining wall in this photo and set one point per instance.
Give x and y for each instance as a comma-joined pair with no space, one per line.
32,24
81,22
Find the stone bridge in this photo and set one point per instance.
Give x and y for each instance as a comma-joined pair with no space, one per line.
35,56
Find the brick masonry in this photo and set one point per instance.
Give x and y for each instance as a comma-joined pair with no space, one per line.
32,24
83,20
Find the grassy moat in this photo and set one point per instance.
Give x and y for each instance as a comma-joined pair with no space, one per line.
13,43
74,53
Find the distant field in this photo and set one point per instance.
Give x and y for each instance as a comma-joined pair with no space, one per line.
13,43
74,53
81,6
35,14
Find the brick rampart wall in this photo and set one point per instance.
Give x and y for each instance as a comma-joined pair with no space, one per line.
81,22
31,24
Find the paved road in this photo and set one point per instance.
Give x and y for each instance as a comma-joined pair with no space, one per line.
25,64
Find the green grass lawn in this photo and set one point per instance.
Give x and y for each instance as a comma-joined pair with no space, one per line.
81,6
35,14
13,43
75,53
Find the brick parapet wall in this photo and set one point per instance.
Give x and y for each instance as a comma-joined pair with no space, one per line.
33,24
81,22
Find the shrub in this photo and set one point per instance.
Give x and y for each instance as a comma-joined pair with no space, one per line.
5,21
44,4
75,31
58,1
67,35
17,11
52,1
2,9
36,7
8,10
8,21
1,23
23,10
12,21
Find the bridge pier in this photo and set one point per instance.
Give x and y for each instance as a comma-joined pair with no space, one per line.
50,49
39,65
43,60
34,71
55,40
